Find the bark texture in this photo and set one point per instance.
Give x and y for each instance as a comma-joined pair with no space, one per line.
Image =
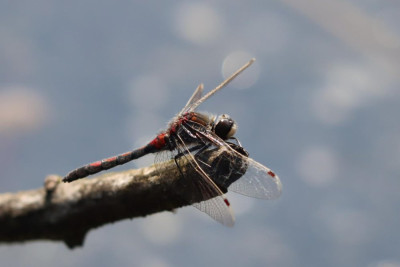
67,211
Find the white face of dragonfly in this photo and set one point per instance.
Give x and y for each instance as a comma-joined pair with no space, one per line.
225,127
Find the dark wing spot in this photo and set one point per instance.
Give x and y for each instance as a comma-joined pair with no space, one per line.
227,202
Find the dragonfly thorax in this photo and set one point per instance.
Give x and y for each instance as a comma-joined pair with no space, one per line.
224,127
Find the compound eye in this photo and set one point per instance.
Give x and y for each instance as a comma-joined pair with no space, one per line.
225,127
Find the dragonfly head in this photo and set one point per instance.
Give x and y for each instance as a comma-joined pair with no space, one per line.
225,127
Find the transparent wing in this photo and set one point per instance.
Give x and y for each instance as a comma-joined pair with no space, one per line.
162,161
193,99
196,188
216,208
219,87
237,172
258,181
200,187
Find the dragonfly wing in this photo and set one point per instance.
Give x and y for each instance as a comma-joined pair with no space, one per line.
193,99
221,85
200,187
233,169
216,208
258,181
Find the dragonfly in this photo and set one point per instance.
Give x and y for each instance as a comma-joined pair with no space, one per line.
190,140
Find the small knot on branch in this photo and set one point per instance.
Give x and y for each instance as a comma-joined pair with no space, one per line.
51,182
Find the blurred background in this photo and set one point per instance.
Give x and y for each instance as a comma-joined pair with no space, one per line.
84,80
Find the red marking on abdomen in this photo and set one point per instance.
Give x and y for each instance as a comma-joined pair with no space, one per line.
95,164
126,154
159,142
111,159
271,173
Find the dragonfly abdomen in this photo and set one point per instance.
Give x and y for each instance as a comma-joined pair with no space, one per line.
109,163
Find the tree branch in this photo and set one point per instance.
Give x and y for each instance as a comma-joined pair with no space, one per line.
67,211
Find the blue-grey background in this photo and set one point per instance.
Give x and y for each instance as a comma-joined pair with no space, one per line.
84,80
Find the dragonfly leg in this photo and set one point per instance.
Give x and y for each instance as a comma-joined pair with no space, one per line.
200,147
200,151
237,140
189,132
